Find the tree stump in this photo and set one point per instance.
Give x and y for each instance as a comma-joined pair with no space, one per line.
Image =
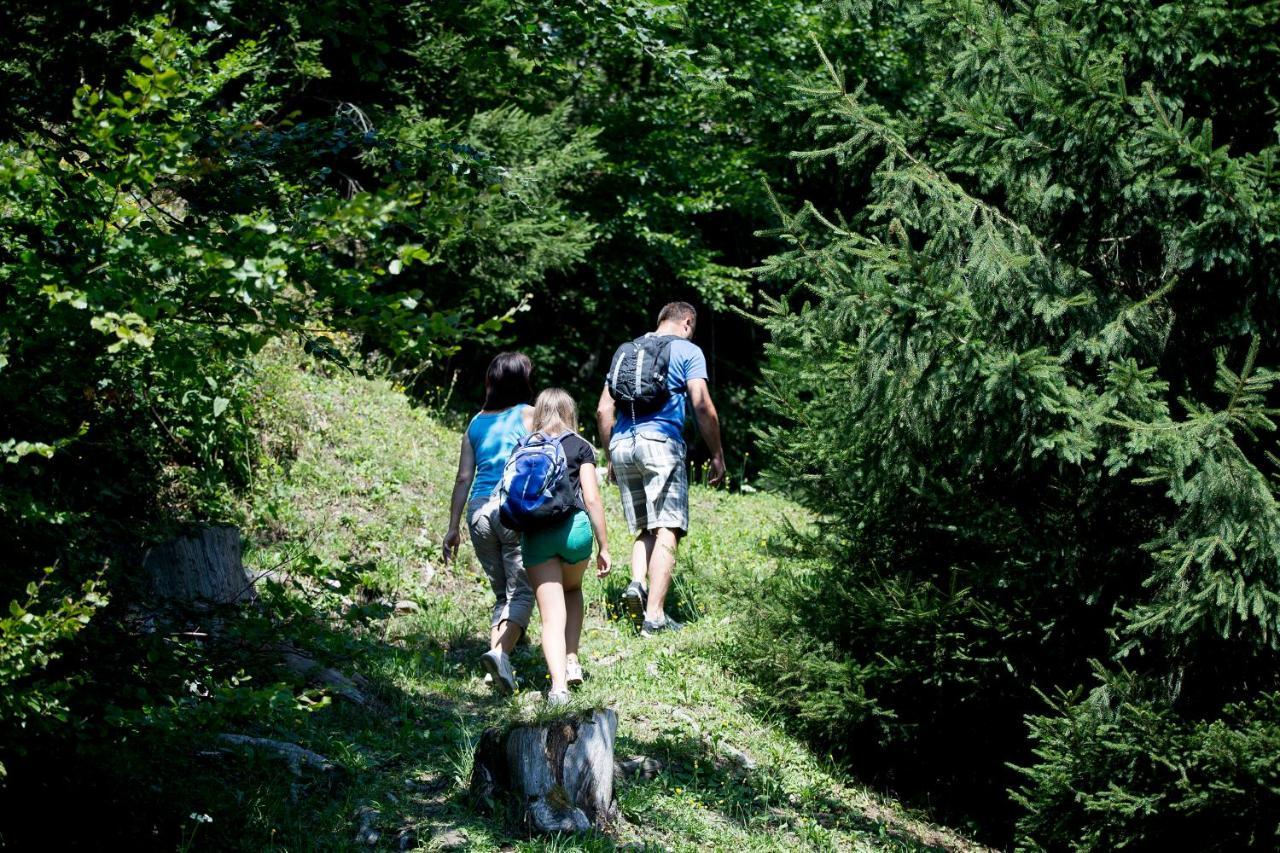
560,773
203,566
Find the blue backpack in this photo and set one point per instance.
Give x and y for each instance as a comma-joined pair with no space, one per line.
535,491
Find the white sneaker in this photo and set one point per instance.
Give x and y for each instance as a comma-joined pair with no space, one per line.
498,666
558,698
573,673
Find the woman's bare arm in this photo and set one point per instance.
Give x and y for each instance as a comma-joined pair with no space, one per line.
458,501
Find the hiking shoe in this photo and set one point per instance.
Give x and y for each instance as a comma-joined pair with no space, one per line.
634,600
649,629
498,666
558,698
573,673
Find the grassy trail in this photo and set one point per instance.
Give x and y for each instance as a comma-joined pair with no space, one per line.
367,494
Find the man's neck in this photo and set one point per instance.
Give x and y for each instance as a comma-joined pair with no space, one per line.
664,329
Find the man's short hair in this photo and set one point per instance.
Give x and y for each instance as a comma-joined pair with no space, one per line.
678,311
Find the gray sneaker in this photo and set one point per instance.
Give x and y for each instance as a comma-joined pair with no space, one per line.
634,600
558,698
498,666
573,673
649,629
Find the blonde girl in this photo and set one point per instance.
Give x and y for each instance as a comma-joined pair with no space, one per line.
555,558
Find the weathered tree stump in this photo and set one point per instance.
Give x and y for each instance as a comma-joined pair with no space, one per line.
203,566
560,773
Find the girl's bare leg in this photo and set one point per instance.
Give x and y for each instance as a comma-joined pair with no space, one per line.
547,580
573,606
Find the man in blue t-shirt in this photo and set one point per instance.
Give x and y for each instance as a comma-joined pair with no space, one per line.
647,458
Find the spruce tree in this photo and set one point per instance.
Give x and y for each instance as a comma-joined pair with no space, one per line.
1026,385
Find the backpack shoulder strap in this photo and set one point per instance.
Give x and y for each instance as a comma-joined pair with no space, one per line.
619,356
530,440
665,340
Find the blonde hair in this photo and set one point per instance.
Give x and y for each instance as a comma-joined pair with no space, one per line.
554,412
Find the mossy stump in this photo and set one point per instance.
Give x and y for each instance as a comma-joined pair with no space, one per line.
558,773
202,567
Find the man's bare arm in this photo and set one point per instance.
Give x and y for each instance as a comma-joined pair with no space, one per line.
709,425
605,416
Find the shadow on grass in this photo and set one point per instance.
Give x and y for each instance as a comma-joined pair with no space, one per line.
698,783
151,771
406,755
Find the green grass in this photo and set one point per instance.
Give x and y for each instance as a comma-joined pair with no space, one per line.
365,501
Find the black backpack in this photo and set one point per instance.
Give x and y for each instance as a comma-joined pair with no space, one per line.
638,373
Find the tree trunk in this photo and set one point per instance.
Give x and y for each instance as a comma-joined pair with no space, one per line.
295,756
318,673
203,566
560,773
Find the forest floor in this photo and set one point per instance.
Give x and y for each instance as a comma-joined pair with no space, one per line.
367,492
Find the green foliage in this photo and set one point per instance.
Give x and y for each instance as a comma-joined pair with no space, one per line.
1183,779
161,223
688,104
352,514
1022,384
33,634
365,498
409,186
1021,328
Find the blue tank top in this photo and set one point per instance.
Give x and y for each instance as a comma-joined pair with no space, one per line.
493,435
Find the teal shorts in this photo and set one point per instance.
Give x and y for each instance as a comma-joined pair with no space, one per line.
570,540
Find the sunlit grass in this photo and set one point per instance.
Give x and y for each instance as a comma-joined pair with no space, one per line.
369,490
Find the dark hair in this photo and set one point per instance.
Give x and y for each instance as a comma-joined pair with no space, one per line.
506,382
677,311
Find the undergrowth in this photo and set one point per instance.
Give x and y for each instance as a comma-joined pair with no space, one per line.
343,531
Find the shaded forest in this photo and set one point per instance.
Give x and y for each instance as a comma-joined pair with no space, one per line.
988,288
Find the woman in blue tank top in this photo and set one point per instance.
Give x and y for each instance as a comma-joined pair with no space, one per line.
486,444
